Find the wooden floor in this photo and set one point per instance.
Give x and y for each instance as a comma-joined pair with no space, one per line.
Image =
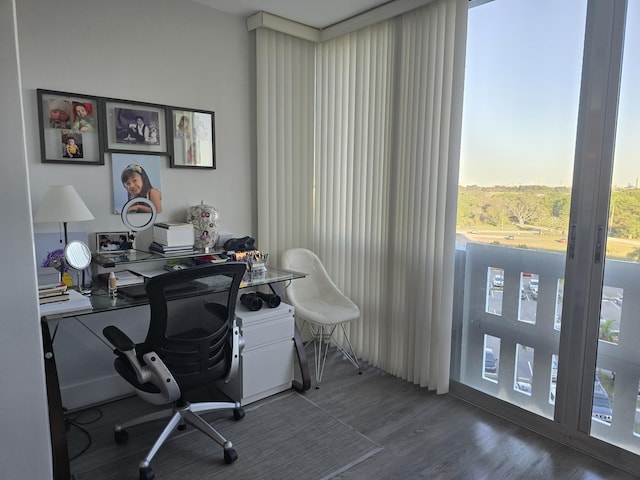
429,436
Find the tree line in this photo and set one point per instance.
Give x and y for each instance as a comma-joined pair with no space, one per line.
540,207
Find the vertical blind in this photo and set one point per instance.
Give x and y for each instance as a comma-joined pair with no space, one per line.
285,78
384,180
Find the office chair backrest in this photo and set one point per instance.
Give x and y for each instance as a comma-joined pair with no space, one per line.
192,312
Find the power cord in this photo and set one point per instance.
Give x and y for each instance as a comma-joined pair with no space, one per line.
77,421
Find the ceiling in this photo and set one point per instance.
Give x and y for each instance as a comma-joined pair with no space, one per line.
314,13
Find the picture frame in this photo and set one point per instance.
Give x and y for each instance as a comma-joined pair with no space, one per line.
192,135
134,127
69,127
112,242
129,166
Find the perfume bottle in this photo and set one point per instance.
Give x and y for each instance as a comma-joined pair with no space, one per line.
113,285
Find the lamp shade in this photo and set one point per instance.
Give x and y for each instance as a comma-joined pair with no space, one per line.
61,204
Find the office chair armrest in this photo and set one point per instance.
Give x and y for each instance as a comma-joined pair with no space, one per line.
118,338
160,376
237,344
125,347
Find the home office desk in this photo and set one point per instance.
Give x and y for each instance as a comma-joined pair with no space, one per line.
101,302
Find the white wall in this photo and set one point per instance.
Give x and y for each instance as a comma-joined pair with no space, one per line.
160,51
25,446
176,53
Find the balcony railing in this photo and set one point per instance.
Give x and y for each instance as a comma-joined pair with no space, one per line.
509,333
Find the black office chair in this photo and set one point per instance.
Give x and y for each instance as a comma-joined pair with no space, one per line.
192,341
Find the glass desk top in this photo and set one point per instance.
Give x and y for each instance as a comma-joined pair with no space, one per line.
102,302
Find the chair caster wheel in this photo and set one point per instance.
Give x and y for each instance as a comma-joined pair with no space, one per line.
230,456
238,413
147,474
121,436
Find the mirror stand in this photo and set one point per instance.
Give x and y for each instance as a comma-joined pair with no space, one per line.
78,256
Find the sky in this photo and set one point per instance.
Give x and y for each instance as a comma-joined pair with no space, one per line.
522,86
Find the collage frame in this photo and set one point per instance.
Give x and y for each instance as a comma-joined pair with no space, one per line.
70,128
84,127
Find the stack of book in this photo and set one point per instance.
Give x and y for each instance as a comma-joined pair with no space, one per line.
167,250
75,302
48,294
173,238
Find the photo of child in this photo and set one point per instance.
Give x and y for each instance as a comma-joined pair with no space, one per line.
69,127
137,184
136,176
183,125
71,145
136,126
82,117
59,113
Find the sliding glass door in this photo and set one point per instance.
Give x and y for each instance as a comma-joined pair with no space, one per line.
548,228
521,103
616,397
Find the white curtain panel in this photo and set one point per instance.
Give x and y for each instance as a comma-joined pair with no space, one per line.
285,79
381,198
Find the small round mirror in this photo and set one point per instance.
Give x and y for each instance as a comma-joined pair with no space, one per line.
77,255
138,214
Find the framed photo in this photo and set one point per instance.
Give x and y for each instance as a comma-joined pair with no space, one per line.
136,176
113,242
192,138
69,128
132,127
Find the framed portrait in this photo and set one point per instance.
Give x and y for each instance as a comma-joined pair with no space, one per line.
69,128
134,127
113,242
136,176
192,138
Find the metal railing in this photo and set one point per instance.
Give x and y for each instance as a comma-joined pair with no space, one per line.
507,332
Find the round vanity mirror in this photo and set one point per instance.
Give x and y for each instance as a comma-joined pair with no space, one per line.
77,255
138,214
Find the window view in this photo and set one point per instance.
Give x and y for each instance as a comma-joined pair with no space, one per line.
603,396
522,216
495,287
611,314
557,317
524,369
519,124
491,356
616,407
520,118
553,379
528,297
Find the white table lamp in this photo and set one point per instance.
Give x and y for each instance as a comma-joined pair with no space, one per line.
62,204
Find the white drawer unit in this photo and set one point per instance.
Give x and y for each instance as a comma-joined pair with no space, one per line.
266,362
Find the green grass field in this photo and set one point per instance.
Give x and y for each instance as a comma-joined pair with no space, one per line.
616,248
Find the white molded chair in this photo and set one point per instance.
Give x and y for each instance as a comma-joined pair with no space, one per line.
320,305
